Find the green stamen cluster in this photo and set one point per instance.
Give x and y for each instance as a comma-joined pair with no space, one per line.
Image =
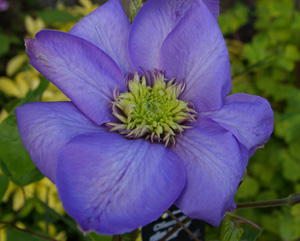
152,112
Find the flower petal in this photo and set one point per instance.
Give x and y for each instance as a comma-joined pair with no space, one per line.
108,28
215,163
213,6
250,118
82,71
196,52
151,26
113,185
47,126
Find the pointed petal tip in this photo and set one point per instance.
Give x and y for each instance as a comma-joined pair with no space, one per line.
26,41
82,71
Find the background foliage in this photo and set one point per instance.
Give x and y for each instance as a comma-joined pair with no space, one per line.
263,43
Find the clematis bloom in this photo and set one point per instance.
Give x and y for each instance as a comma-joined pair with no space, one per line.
149,124
4,5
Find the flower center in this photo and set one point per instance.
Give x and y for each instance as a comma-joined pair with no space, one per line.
151,109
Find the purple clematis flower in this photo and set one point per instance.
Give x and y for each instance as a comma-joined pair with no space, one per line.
4,5
149,124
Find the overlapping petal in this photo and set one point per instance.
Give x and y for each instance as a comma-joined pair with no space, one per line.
149,29
215,163
250,118
113,185
213,6
108,28
196,52
46,127
82,71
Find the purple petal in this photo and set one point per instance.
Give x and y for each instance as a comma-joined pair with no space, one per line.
250,118
47,126
113,185
82,71
108,28
149,29
196,51
213,6
4,5
215,163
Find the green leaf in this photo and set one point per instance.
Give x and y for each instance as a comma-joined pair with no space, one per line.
27,209
233,19
230,231
135,6
10,106
295,210
289,229
248,189
297,188
288,126
4,46
14,159
13,154
267,195
291,52
17,235
291,168
271,222
3,185
97,237
30,177
294,101
51,16
38,92
69,223
250,233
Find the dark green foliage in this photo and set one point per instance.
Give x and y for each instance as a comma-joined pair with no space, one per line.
14,159
268,65
51,16
231,231
3,185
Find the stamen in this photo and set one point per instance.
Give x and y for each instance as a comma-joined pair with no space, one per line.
151,108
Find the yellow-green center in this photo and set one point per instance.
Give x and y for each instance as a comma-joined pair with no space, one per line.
151,110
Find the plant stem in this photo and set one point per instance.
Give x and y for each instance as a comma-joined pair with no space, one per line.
244,220
183,226
258,63
134,234
117,238
164,238
289,201
11,223
28,231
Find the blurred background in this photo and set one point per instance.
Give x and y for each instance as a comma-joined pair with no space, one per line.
263,39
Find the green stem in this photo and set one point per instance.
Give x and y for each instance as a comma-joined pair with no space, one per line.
28,231
47,211
258,63
134,234
244,220
117,238
290,201
183,226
